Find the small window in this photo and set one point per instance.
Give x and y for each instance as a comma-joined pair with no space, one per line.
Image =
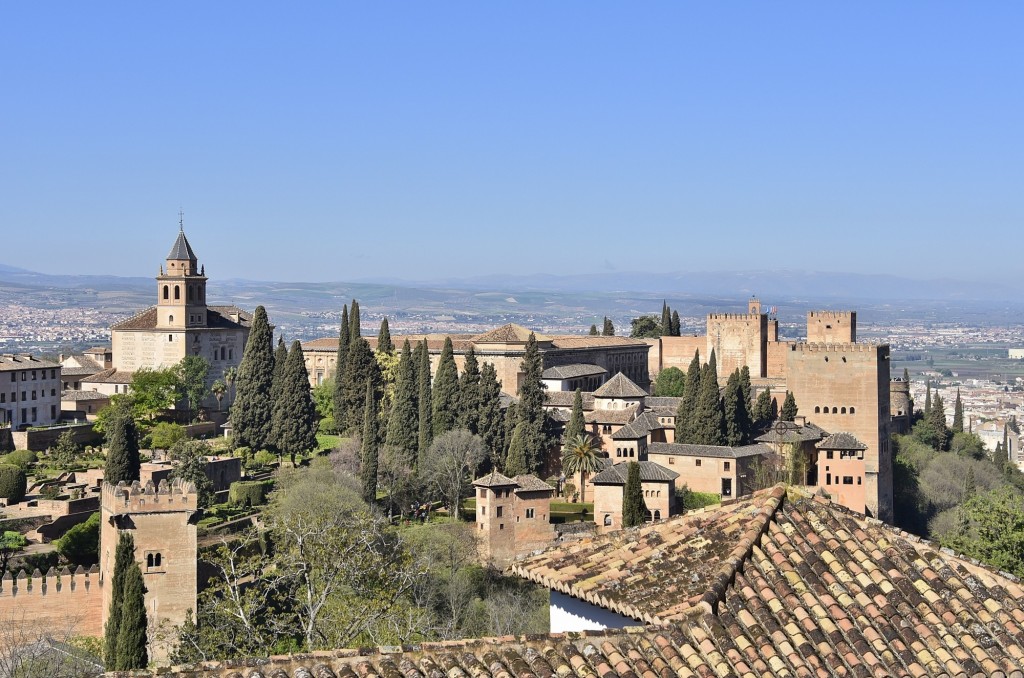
501,526
482,493
607,520
828,478
697,462
835,410
728,466
817,410
166,292
170,337
170,319
847,480
231,354
842,410
657,514
483,510
531,513
858,480
671,461
177,293
829,454
853,411
498,511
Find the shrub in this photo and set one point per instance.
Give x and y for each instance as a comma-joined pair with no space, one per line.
81,544
244,452
13,483
20,458
327,425
263,458
247,493
165,434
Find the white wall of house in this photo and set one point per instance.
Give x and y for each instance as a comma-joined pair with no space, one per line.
572,614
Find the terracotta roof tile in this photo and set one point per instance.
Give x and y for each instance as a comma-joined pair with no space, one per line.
620,386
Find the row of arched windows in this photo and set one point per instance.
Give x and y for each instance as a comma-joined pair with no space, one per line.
652,493
625,452
195,292
823,409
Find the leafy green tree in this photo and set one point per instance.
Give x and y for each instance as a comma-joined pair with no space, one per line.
671,382
165,434
593,331
13,483
789,408
609,329
189,464
403,424
81,544
131,635
11,542
580,455
151,392
451,465
517,460
469,395
191,375
676,329
123,462
737,418
124,557
323,398
688,404
996,530
634,511
577,422
339,365
491,422
532,417
646,326
251,412
445,391
355,329
384,343
360,370
294,412
369,460
66,451
424,402
762,412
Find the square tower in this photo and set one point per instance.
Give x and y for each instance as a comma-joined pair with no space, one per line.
831,327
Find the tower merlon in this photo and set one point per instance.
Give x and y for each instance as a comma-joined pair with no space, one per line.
173,495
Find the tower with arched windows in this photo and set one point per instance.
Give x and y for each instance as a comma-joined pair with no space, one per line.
181,288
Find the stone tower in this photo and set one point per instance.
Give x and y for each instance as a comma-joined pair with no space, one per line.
160,519
831,327
181,288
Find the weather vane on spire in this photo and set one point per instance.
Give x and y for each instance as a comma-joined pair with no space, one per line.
181,220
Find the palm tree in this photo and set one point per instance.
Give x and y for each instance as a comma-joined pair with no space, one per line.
581,455
218,389
230,374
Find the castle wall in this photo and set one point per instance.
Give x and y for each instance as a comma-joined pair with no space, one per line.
738,339
778,354
62,601
676,352
831,327
42,439
855,377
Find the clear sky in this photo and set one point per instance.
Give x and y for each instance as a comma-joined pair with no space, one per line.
338,141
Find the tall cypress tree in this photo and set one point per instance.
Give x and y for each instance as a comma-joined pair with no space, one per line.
634,511
676,330
577,424
531,406
958,414
252,411
762,413
928,397
122,437
737,418
469,394
276,383
131,636
339,365
491,423
609,329
355,330
360,369
789,408
368,465
384,344
688,403
403,424
425,402
666,320
709,415
294,410
124,556
517,462
745,386
445,403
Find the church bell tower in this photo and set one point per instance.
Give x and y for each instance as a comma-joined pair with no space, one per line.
181,288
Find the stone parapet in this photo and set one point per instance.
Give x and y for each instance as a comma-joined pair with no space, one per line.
149,498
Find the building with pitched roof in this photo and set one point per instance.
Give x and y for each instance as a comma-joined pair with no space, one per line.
29,391
512,516
657,483
181,323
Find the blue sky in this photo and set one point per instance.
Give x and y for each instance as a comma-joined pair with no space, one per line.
339,141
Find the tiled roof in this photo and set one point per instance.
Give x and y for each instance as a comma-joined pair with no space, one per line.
620,386
649,472
10,362
508,334
79,371
640,427
623,416
789,432
577,341
143,320
111,376
216,317
841,441
494,479
572,371
83,395
181,249
565,399
663,401
722,451
531,483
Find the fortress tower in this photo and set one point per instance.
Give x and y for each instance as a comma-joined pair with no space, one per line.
739,339
831,327
160,519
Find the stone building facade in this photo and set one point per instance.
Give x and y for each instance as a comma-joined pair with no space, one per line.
30,390
512,516
657,483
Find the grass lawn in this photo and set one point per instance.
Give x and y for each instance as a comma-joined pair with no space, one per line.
326,441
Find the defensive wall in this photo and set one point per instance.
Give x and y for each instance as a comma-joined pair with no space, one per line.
41,439
64,600
738,339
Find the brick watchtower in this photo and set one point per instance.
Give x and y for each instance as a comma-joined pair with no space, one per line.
161,521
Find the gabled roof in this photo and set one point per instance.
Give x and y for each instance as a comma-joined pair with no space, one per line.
494,479
620,386
790,432
110,376
508,334
83,395
565,399
649,473
841,441
722,451
181,249
623,416
24,361
531,483
640,427
216,317
572,371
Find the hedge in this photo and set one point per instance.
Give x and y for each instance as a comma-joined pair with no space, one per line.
13,483
20,458
249,492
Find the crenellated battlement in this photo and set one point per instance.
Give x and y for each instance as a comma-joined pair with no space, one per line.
53,582
149,498
817,347
831,315
756,317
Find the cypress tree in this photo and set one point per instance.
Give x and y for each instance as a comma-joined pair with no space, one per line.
276,383
131,636
688,403
928,398
906,375
124,556
666,320
361,369
709,416
403,426
354,331
593,331
713,361
634,511
123,462
577,423
445,403
252,410
516,462
970,486
492,419
609,329
294,410
384,343
763,409
745,385
789,408
737,418
999,457
531,406
676,331
368,465
339,366
958,414
425,403
469,394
